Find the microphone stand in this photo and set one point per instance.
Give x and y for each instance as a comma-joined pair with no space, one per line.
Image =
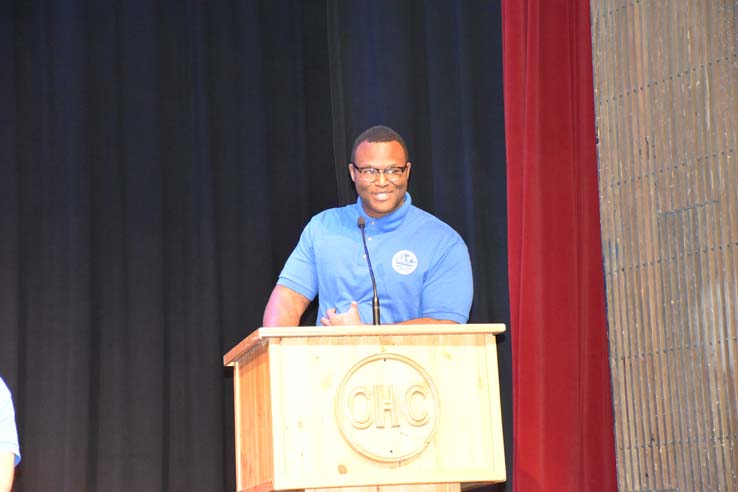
375,300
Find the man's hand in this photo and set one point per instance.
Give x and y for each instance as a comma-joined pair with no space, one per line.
349,318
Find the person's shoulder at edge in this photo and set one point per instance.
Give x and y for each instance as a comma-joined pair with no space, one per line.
6,405
4,390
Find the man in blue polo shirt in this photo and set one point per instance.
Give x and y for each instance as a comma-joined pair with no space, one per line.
422,268
9,449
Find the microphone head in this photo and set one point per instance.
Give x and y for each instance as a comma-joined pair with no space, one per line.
360,222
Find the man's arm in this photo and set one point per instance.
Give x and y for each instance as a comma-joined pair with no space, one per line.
285,307
7,468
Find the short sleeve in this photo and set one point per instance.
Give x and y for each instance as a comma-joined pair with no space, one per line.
300,271
449,287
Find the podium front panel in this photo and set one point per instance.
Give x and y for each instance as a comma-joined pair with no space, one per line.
365,410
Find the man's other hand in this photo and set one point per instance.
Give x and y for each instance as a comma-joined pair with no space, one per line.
349,318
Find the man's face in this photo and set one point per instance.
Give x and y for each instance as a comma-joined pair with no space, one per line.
383,195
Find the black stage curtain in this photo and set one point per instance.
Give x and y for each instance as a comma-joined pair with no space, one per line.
159,160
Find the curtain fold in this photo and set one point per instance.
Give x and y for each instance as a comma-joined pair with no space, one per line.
160,160
563,424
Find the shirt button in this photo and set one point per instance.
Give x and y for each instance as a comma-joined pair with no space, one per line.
369,238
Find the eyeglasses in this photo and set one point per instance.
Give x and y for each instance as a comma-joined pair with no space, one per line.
372,174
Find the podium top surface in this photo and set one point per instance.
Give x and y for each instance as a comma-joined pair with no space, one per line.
264,334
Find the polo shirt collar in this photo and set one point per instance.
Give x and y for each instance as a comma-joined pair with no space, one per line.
388,222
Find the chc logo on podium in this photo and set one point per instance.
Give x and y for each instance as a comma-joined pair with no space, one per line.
387,408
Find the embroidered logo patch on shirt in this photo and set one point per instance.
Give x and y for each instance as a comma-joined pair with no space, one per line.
404,262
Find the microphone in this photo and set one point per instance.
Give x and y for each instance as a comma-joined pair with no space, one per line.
375,301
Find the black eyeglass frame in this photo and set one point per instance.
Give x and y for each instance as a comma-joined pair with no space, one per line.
372,173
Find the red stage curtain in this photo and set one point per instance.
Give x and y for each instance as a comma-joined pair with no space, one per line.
562,408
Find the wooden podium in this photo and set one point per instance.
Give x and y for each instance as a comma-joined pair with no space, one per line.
367,408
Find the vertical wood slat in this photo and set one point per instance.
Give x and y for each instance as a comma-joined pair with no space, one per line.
666,95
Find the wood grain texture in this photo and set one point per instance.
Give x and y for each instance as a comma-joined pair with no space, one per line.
443,487
432,396
666,97
262,334
253,413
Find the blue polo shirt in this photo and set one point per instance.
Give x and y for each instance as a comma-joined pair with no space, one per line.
421,265
8,431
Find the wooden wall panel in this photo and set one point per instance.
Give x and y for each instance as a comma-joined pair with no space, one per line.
666,96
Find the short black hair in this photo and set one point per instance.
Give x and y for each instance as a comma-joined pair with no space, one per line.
378,133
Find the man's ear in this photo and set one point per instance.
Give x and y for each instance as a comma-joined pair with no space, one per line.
352,171
409,166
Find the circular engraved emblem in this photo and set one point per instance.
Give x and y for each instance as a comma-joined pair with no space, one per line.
404,262
387,408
